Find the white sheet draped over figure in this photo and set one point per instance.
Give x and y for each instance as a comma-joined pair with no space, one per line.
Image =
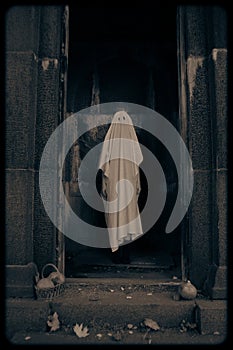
119,161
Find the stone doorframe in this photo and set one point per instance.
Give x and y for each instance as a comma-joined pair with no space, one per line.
202,59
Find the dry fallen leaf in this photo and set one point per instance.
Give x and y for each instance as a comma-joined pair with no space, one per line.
117,336
53,322
151,324
80,331
216,333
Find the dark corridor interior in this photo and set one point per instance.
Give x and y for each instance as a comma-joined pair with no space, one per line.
127,55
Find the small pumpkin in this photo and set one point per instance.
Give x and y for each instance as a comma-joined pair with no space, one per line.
45,283
57,277
187,290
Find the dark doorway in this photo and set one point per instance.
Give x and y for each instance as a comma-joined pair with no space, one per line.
127,55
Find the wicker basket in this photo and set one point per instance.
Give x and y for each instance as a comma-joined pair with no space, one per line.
49,293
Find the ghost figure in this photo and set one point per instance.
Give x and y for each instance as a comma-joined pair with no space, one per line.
119,161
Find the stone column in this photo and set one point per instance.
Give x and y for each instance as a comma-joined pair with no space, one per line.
22,32
48,118
216,282
33,110
205,135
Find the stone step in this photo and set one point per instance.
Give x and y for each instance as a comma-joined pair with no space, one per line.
211,316
158,282
115,303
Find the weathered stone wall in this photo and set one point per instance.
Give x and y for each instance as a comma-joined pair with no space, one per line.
205,71
33,54
22,32
48,109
